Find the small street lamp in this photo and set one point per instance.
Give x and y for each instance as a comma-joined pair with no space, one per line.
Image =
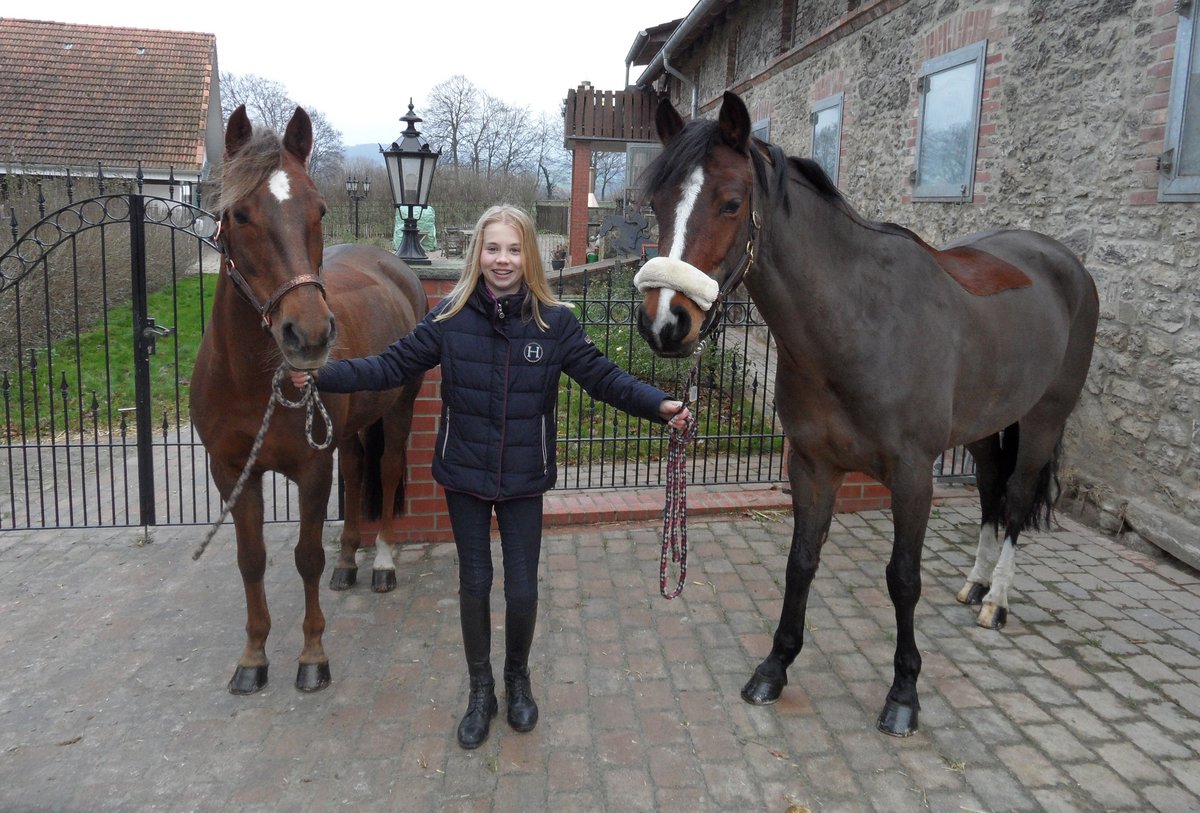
352,189
410,165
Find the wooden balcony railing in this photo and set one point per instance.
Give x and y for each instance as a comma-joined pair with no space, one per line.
610,115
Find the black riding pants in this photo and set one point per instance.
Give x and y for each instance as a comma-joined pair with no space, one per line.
520,522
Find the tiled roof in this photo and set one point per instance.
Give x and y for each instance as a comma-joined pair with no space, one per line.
79,94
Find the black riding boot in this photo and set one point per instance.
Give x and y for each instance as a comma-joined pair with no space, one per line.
476,616
518,635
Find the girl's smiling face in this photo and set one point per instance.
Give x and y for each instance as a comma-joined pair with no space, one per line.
500,259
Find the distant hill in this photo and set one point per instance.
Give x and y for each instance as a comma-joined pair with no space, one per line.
363,152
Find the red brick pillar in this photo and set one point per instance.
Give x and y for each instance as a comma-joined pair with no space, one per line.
425,518
581,163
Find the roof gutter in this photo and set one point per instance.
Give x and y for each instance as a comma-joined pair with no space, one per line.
661,61
638,42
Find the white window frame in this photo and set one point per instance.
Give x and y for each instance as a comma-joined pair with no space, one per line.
834,102
1172,187
964,190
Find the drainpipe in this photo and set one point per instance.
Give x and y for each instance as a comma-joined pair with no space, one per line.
669,68
704,9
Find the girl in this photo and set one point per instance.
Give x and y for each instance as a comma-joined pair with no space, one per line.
502,340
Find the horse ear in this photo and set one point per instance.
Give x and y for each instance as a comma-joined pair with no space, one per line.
734,122
238,131
667,121
298,137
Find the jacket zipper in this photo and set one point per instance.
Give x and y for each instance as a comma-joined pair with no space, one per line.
446,439
545,463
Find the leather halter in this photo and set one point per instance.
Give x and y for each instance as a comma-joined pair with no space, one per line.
732,281
243,287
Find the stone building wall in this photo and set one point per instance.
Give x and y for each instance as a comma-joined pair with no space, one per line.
1072,120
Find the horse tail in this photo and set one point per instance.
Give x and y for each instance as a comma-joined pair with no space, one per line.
1045,491
1045,494
994,504
372,484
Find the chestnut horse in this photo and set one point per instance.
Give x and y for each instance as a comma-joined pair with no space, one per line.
890,352
282,298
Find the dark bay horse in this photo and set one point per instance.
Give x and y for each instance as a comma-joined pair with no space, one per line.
890,352
281,298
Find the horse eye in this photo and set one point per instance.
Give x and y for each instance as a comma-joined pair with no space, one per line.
323,210
241,218
731,207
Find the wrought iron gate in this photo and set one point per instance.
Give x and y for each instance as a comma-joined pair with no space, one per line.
102,304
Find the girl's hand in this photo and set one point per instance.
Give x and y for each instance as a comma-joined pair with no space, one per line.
675,414
299,378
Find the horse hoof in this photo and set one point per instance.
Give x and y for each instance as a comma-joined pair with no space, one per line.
992,617
343,578
313,677
383,581
898,719
248,679
761,690
972,593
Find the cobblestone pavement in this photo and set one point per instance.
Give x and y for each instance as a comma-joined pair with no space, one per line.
114,657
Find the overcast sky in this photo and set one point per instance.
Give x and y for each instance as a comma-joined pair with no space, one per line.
358,65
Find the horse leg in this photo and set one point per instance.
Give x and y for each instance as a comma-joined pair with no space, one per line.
1032,487
313,672
393,462
250,675
912,497
813,495
990,477
350,461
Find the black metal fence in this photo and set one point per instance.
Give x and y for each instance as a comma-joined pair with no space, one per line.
102,306
740,439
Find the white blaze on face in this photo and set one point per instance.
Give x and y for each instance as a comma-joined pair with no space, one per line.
683,212
280,186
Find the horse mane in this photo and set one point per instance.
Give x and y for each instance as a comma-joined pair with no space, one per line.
812,172
772,168
243,171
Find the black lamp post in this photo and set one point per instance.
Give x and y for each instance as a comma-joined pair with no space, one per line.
352,189
410,165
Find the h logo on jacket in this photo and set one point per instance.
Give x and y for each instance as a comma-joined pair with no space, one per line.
533,352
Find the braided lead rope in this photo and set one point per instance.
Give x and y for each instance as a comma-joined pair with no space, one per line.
675,511
308,398
674,544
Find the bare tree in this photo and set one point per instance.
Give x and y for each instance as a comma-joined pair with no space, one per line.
610,170
513,145
478,132
269,105
451,111
551,159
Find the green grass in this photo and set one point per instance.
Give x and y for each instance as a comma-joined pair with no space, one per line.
728,419
98,367
100,364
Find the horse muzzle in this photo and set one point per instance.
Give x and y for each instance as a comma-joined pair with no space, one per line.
684,295
305,332
687,279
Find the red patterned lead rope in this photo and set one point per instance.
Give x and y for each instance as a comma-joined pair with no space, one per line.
674,543
675,511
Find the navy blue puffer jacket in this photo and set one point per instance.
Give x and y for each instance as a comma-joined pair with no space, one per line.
500,374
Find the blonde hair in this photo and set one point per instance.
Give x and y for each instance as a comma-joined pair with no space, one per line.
533,271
